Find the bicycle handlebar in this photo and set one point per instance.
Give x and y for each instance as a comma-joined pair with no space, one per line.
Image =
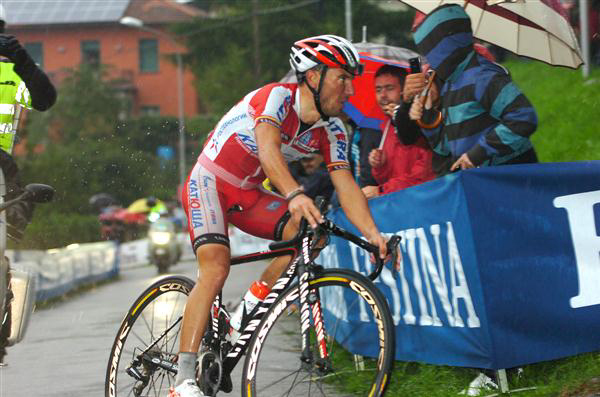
34,192
330,227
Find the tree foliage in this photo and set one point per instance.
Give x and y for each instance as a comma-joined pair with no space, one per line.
87,150
87,107
223,49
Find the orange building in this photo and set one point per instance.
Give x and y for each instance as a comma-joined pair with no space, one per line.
60,35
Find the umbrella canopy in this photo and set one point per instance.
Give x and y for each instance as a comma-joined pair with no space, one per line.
537,29
102,200
143,205
362,107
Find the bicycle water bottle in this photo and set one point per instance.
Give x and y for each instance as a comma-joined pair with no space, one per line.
257,292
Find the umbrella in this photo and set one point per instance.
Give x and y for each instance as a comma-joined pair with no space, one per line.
102,200
362,107
142,205
537,29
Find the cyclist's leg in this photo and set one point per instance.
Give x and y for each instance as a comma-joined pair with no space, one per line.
265,215
204,205
213,264
278,265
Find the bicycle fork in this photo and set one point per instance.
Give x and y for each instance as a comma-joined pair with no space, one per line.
310,307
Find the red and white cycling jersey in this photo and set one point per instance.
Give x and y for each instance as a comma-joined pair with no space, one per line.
231,152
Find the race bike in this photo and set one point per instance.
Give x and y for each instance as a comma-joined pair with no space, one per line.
318,332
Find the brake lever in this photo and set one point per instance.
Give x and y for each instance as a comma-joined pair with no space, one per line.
393,247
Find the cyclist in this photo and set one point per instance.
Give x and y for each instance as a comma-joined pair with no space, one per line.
22,84
269,127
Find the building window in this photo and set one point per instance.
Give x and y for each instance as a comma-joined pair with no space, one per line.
36,51
150,110
90,52
148,55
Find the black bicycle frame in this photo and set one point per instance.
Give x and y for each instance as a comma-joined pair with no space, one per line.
299,267
296,267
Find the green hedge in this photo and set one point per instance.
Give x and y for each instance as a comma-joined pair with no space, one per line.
54,230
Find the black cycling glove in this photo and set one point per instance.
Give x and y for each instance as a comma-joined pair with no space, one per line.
9,46
43,93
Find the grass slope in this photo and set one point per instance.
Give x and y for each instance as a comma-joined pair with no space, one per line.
568,110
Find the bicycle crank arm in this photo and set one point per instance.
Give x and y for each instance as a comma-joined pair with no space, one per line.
167,365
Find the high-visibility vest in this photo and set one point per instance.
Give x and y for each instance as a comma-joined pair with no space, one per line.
13,97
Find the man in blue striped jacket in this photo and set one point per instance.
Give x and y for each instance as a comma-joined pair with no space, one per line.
486,119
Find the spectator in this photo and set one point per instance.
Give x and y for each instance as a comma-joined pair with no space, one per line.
362,141
397,165
486,119
312,174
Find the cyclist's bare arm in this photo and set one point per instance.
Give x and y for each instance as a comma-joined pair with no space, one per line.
268,139
355,207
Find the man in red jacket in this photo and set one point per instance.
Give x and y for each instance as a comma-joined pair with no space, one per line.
397,164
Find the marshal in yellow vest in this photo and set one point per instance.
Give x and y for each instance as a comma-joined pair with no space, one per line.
13,96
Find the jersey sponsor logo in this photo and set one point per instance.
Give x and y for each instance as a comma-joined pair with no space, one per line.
340,137
195,205
281,111
8,82
307,141
247,141
341,150
335,127
213,216
197,218
229,122
305,138
193,189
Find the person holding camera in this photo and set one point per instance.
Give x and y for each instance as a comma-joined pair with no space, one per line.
482,118
22,85
398,163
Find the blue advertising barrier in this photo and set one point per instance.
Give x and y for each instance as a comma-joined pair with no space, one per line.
501,265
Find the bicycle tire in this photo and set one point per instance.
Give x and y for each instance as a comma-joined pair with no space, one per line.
164,300
270,376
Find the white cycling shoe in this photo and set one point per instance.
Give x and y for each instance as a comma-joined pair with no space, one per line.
188,388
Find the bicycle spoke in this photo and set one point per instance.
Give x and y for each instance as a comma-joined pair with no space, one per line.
279,380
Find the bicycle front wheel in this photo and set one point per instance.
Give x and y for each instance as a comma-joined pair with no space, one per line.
143,357
358,340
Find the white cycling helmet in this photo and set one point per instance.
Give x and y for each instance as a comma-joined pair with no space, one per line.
329,50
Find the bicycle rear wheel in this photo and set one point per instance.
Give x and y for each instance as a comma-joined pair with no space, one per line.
153,319
359,341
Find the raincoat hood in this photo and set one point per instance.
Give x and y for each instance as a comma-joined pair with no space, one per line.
445,38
